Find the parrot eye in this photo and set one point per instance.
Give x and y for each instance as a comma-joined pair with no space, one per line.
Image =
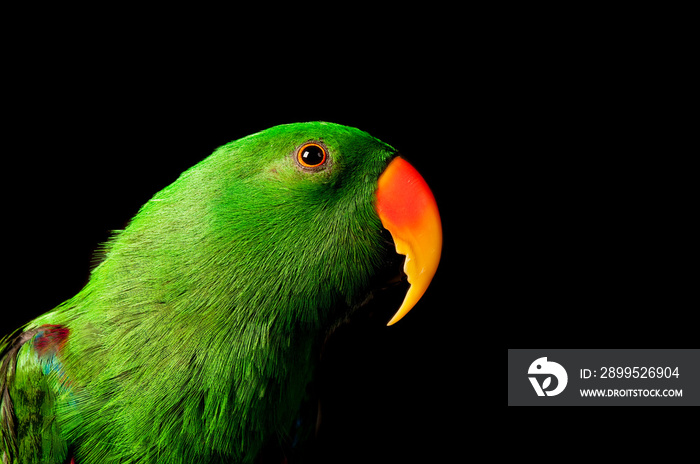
311,155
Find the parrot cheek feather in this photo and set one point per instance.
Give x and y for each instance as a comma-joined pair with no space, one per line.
387,289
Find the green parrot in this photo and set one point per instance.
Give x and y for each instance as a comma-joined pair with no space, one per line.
197,337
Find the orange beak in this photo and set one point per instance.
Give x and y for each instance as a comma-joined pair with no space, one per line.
407,209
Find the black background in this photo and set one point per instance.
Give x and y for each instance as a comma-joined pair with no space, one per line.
557,161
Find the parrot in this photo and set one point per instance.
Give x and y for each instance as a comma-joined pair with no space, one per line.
198,335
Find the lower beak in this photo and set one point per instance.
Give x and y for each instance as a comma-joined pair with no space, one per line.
407,209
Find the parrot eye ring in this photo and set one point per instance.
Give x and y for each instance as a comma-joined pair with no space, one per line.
312,155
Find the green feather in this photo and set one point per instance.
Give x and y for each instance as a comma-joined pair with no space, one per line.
195,339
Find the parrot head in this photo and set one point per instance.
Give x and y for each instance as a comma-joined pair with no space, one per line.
291,221
343,189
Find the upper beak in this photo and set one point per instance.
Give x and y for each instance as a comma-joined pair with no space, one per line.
407,209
